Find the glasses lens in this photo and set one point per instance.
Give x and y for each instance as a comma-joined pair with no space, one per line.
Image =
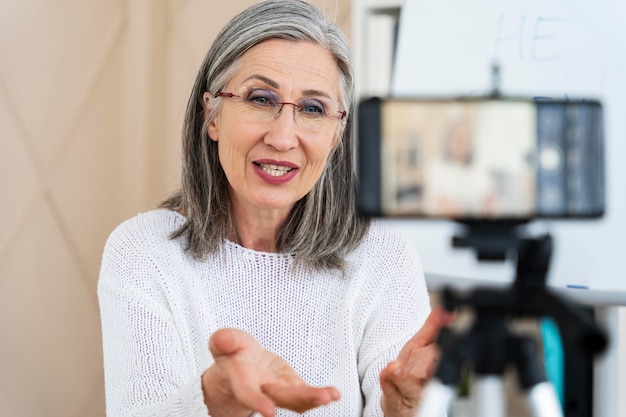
314,114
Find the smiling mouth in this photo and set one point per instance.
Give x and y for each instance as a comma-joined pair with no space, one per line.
274,170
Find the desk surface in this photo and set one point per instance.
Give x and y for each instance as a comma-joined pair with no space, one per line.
596,297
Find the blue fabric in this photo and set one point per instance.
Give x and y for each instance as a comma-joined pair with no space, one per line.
553,356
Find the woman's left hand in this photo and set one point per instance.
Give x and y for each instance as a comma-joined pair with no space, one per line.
404,379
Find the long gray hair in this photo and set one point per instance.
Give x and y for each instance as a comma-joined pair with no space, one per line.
325,224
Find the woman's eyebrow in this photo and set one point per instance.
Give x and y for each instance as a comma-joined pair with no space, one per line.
274,84
315,93
266,80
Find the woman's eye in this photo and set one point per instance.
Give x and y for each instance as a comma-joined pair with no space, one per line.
312,107
262,97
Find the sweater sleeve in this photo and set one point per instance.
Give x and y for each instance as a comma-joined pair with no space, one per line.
396,307
147,372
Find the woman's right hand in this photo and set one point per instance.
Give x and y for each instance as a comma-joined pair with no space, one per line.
247,378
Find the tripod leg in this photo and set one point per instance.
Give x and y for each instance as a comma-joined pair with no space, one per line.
541,395
441,390
543,401
437,399
489,396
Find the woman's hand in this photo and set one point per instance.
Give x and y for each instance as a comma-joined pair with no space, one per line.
247,378
404,379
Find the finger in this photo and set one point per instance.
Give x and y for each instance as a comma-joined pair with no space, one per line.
436,320
423,361
401,389
225,342
224,345
392,370
300,398
246,392
447,316
249,397
255,400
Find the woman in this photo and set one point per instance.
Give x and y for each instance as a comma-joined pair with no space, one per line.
305,305
456,185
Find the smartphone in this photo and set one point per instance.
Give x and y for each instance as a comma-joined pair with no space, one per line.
481,158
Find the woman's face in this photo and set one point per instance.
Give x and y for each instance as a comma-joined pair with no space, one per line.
273,162
461,144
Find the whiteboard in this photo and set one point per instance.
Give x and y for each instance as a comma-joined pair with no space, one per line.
550,48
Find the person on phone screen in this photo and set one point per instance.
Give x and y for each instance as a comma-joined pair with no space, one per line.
456,186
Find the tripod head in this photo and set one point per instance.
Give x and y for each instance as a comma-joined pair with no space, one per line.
489,344
529,295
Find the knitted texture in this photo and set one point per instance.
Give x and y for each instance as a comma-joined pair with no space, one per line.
159,308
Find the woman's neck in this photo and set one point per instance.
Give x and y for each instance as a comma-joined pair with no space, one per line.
257,230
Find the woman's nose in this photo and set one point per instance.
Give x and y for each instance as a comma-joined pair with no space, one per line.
283,130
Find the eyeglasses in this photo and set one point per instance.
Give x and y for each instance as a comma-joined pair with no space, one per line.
313,114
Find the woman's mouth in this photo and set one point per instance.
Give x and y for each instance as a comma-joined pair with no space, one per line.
274,170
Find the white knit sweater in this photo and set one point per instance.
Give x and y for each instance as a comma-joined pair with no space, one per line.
159,307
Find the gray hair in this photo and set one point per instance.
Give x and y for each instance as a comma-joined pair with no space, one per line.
325,224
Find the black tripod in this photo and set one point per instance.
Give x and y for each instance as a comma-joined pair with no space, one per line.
489,346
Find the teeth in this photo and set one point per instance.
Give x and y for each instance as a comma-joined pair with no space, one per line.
275,170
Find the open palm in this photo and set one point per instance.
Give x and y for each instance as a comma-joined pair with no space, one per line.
258,380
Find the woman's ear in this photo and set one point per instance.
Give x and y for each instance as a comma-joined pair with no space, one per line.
212,129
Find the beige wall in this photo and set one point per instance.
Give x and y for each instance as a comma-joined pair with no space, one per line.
92,95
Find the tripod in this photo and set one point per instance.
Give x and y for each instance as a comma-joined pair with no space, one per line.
489,346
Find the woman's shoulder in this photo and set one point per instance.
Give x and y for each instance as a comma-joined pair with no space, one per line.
140,246
387,262
150,227
139,253
384,241
380,232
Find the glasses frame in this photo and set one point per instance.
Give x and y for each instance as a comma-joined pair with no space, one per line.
342,113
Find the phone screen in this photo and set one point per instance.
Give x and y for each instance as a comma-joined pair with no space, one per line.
480,158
